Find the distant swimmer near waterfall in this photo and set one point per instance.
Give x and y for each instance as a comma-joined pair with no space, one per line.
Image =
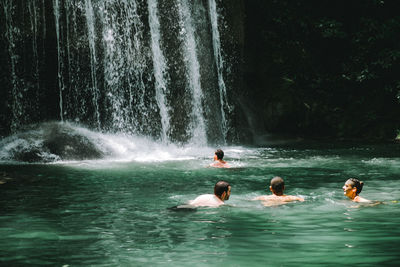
218,158
352,188
277,198
222,191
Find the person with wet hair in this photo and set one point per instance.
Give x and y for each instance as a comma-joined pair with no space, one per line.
352,188
218,158
222,191
277,187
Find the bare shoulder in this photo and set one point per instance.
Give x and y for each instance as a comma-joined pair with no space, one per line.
361,199
219,165
273,200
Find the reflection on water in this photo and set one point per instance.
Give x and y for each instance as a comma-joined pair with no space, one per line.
113,212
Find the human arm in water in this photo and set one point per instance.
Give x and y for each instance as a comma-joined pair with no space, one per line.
273,200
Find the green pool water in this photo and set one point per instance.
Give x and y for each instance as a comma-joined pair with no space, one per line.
115,212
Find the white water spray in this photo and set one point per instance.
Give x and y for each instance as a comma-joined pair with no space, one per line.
219,62
16,94
56,7
160,69
125,63
93,61
197,127
33,10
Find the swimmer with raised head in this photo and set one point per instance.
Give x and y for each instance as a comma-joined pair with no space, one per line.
218,158
278,197
222,191
352,188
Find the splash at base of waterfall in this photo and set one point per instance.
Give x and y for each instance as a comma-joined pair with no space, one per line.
61,142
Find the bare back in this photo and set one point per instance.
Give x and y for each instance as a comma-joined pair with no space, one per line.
275,200
220,164
207,200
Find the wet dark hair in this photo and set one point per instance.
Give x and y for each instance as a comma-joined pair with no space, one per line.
221,187
357,184
277,185
219,153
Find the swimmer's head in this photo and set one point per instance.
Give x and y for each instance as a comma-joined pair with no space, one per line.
277,185
222,190
220,154
354,185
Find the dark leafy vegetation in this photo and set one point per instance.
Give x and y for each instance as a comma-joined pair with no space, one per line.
324,68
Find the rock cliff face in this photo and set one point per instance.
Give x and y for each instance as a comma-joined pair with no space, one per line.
322,68
207,71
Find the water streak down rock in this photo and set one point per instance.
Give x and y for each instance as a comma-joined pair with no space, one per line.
116,66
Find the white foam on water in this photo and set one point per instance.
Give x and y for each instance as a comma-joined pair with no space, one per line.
126,148
113,147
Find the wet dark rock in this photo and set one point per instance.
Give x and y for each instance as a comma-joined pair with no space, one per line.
49,142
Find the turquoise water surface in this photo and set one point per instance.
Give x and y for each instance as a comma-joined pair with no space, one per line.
116,212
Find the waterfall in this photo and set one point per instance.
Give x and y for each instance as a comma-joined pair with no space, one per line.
33,11
16,94
137,64
120,106
197,127
21,63
116,62
219,62
93,61
142,67
43,22
125,64
69,42
80,75
160,69
59,56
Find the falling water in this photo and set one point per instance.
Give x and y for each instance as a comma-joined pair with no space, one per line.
120,107
125,64
33,10
43,22
79,99
73,69
16,95
68,25
93,62
142,67
136,64
59,55
21,38
160,68
197,127
219,62
115,63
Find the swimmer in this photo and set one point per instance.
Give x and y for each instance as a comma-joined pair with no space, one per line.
352,188
222,191
218,158
277,198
